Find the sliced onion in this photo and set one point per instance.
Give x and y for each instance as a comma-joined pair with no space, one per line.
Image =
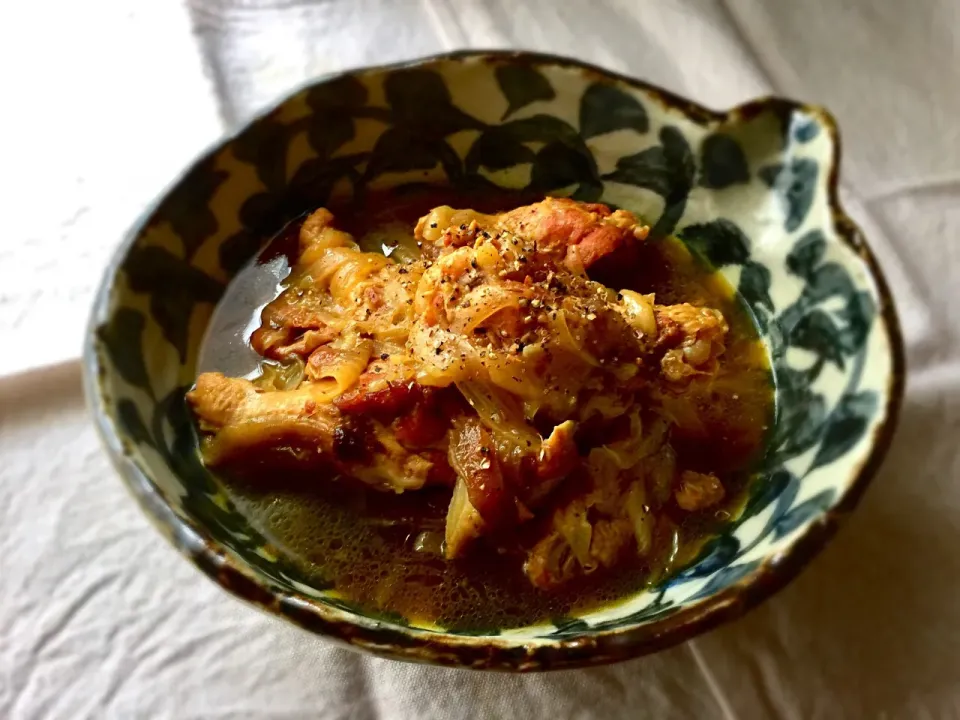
275,376
464,523
639,444
429,541
484,302
394,241
500,412
577,531
570,343
641,518
639,311
661,469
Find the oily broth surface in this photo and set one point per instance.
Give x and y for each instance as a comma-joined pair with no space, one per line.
362,542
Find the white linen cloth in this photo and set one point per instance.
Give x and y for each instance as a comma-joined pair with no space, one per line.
105,100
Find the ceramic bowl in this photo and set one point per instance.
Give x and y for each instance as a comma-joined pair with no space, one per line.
754,190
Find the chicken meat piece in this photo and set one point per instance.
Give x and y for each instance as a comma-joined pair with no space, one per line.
611,516
694,340
238,420
333,288
697,491
494,492
590,531
543,336
244,424
481,498
556,231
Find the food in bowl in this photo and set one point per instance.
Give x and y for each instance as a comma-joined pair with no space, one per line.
489,422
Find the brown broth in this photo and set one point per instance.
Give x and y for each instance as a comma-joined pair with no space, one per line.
362,542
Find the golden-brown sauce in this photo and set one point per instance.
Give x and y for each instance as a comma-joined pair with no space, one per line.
363,542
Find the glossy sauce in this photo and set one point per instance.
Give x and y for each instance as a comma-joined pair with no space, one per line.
363,542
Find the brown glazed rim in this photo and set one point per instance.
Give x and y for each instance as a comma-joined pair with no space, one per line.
493,652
